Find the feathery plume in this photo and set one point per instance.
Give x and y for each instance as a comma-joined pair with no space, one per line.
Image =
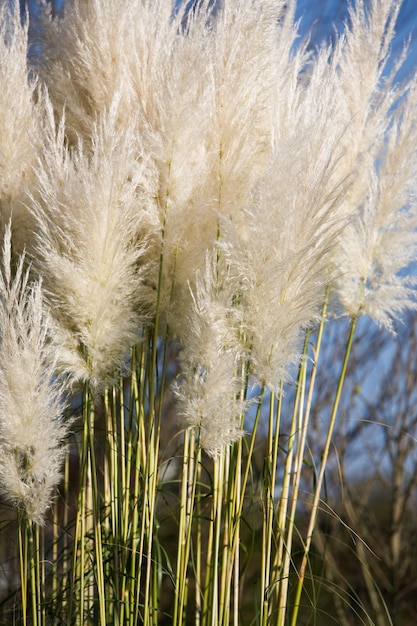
202,92
95,224
32,429
216,157
19,118
296,208
95,49
380,240
210,393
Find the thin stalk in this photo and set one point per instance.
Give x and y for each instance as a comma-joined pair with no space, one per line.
230,580
156,581
141,461
33,572
188,484
112,499
210,578
218,485
126,459
242,482
250,451
87,538
198,541
269,499
77,591
97,552
237,500
151,475
65,524
324,457
123,469
54,564
23,564
295,468
191,494
226,552
149,518
280,567
110,442
230,583
304,422
40,571
180,575
300,449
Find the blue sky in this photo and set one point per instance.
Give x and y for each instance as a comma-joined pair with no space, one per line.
323,17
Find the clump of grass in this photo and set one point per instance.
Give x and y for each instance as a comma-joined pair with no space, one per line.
195,179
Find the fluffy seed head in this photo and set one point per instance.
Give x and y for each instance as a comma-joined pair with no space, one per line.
32,429
95,226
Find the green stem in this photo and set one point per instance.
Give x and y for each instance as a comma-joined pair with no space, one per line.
188,490
77,581
282,561
23,565
300,451
324,458
97,553
269,501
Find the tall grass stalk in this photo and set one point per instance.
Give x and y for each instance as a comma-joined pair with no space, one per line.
156,379
283,556
117,570
187,500
139,457
96,489
268,539
23,566
300,455
319,482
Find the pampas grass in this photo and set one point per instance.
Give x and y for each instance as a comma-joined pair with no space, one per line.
32,429
189,179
